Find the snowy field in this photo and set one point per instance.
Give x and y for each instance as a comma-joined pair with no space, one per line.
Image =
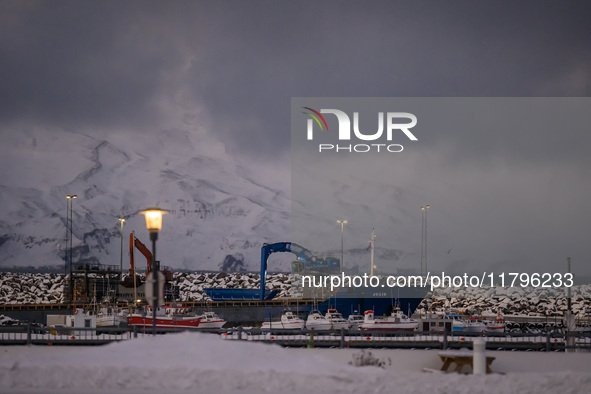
202,363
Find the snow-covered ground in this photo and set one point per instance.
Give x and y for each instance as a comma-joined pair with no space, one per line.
202,363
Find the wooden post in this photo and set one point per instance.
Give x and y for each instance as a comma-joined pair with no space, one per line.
29,339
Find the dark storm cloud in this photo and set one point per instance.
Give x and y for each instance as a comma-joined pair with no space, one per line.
82,63
111,65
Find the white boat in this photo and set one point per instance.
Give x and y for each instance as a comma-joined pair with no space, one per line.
436,322
337,320
211,320
497,325
316,321
288,321
460,324
108,313
397,321
111,316
474,324
355,320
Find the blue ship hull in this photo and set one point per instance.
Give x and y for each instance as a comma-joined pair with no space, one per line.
377,299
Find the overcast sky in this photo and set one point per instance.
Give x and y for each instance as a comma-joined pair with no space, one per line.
120,65
124,67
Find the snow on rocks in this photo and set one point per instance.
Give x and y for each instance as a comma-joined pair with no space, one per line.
191,285
28,288
509,301
48,288
22,288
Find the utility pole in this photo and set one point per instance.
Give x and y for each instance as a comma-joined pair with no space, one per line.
424,240
342,223
372,242
122,221
69,238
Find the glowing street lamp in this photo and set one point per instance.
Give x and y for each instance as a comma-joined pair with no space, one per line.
154,225
154,220
342,223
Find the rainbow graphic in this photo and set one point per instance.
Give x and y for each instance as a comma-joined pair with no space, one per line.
315,115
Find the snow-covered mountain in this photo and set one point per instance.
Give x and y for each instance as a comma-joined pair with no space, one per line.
221,210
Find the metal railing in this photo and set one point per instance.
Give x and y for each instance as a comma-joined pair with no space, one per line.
414,339
551,341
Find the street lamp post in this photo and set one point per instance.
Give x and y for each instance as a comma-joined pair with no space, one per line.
122,221
342,223
372,244
154,225
67,250
69,246
424,239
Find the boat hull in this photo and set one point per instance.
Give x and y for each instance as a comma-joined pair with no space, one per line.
164,322
337,325
212,324
282,326
319,326
388,326
495,329
378,299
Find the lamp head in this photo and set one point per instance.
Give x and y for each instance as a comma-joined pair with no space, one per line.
154,219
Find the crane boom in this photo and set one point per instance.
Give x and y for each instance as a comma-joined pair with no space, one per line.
133,241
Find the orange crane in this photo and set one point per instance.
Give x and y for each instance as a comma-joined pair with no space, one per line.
133,241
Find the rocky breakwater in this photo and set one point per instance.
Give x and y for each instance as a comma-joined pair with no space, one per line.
22,288
192,285
526,301
48,288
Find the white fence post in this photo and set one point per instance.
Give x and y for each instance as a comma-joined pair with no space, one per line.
479,361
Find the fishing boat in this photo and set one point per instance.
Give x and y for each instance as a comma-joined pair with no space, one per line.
108,317
337,320
288,321
316,321
211,320
460,324
355,320
397,321
166,317
109,314
497,325
436,322
474,324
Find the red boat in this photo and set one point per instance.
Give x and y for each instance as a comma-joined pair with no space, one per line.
166,317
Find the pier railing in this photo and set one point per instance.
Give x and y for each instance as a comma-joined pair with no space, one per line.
30,334
550,341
